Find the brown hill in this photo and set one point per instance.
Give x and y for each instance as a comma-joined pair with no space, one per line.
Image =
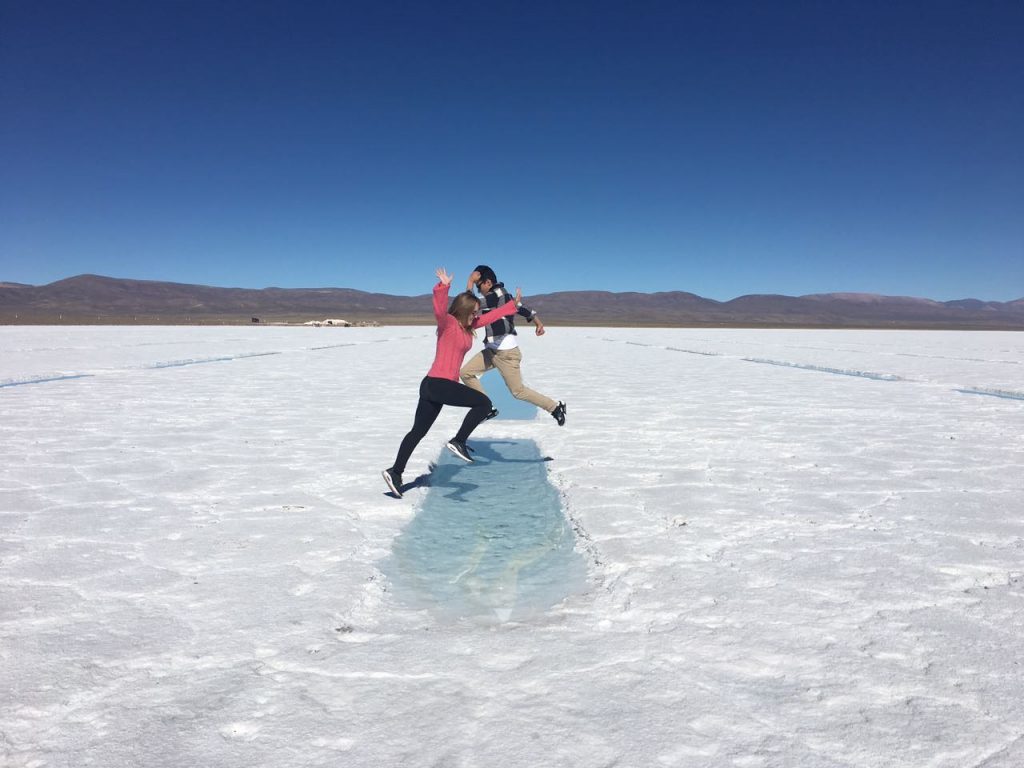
92,299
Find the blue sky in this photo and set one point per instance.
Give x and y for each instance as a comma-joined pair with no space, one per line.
722,148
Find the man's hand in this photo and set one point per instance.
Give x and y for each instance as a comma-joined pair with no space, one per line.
539,326
472,281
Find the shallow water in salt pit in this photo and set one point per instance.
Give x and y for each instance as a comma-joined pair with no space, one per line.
491,540
508,407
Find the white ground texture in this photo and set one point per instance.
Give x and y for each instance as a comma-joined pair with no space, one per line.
803,548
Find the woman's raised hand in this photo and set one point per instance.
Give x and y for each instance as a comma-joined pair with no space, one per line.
443,276
519,294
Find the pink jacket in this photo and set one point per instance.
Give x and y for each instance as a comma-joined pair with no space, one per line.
453,341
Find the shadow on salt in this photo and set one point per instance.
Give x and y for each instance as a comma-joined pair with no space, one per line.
490,542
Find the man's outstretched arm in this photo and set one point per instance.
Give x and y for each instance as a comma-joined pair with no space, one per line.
532,317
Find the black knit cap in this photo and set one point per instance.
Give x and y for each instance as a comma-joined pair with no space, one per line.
486,273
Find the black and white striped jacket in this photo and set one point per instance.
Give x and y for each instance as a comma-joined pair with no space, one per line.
499,297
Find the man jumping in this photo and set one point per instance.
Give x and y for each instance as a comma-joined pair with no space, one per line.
501,348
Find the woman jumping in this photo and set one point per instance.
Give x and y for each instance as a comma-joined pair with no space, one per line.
441,385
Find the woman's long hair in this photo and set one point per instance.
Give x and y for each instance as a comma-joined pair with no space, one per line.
464,308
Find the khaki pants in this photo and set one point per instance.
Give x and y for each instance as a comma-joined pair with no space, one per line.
507,362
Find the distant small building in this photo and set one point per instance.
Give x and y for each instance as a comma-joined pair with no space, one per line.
255,320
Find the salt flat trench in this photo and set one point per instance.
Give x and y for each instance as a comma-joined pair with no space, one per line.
1006,394
19,381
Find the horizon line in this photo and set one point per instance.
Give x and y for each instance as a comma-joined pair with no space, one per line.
835,294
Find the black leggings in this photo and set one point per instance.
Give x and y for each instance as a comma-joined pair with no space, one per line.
434,393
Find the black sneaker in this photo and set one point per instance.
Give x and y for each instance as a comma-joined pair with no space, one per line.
492,414
559,414
394,481
459,449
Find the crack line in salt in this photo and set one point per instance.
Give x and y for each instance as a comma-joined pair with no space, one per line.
1003,393
25,382
822,369
176,364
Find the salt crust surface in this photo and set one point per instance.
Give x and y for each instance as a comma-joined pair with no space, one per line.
790,563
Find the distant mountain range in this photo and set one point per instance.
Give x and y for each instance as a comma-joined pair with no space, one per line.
92,299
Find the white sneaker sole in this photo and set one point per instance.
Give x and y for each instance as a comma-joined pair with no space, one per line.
452,448
391,484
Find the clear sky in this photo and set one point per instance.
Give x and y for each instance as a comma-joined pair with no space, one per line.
717,147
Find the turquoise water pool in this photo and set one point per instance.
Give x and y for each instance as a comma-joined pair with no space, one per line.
491,540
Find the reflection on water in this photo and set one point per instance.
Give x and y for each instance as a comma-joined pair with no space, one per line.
491,540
